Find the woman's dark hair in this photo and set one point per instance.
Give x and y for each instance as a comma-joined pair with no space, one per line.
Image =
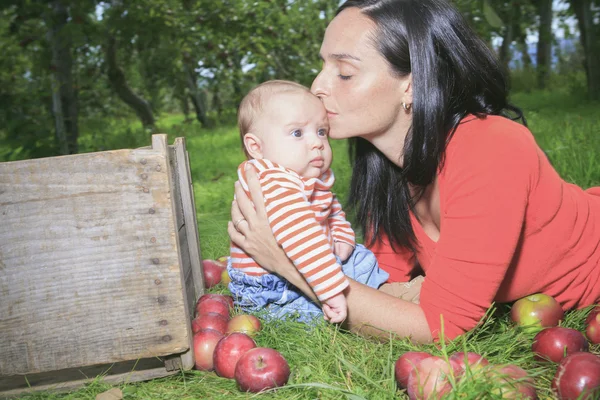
454,73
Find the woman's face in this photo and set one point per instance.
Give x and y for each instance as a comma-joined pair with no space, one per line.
357,86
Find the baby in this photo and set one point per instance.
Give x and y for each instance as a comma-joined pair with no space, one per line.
284,129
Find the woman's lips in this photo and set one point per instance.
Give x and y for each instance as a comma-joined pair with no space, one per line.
331,114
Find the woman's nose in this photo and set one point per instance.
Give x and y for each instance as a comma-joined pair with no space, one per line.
318,87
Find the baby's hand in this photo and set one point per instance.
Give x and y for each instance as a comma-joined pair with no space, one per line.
342,250
335,309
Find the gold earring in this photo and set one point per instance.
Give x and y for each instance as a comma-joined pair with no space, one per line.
406,106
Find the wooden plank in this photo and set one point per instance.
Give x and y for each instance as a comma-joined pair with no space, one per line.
186,359
70,379
189,213
89,265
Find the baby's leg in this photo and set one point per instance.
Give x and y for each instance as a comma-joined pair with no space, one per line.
362,267
271,296
297,306
409,291
253,293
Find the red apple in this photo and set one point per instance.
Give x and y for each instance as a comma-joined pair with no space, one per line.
593,313
228,352
578,374
552,344
215,296
406,363
205,342
473,360
514,382
214,306
212,272
210,320
245,323
592,328
536,311
260,369
429,379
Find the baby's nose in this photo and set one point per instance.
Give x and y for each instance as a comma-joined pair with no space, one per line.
316,143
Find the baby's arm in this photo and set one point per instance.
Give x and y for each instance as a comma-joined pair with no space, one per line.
341,230
343,250
297,231
335,309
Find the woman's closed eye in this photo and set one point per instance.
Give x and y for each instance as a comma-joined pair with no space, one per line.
344,77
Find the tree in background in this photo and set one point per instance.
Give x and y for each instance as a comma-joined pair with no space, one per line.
588,21
544,45
71,66
52,31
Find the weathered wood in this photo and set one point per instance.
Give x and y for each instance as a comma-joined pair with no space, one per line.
194,275
178,201
90,270
69,379
189,212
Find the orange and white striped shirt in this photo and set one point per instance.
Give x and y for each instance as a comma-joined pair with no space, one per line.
306,219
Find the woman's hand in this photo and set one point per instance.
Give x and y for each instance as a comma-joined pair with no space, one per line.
250,228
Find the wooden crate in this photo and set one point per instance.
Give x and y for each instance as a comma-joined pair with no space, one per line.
100,267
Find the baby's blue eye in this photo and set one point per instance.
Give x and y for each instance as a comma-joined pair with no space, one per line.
322,132
297,133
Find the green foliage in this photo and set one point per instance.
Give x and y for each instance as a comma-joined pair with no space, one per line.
229,45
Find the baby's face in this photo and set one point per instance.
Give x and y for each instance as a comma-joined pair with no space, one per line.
294,133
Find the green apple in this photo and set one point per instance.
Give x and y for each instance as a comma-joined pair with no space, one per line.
536,311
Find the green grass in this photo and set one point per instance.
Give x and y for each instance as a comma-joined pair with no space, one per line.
327,363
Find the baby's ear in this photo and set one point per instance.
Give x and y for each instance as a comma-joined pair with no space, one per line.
253,146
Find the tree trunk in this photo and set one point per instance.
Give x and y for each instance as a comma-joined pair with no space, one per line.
591,47
217,103
524,49
116,76
185,106
521,39
64,95
197,102
544,46
505,48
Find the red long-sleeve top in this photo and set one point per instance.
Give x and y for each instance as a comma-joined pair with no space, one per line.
509,227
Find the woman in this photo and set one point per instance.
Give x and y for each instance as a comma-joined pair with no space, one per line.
441,176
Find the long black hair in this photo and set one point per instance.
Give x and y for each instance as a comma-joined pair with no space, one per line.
454,73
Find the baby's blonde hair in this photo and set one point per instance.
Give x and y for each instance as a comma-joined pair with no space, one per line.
253,103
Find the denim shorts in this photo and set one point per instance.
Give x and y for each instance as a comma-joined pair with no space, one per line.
275,298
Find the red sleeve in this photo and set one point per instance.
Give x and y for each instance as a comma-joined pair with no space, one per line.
398,264
486,183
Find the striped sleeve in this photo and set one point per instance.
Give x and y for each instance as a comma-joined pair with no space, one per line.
298,232
341,230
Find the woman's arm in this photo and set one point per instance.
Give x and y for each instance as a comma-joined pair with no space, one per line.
370,312
375,313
